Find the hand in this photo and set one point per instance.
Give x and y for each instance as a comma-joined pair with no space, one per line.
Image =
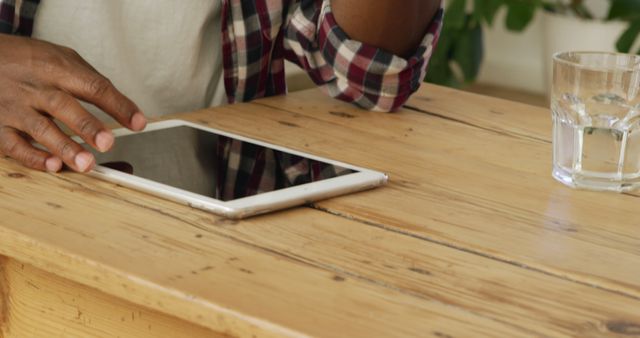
40,81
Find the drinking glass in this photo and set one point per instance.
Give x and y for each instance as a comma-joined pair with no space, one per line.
596,120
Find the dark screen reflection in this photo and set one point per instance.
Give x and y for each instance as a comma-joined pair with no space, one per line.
212,165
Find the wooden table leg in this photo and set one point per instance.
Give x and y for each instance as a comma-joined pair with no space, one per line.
35,303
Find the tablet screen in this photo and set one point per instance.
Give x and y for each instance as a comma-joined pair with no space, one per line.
212,165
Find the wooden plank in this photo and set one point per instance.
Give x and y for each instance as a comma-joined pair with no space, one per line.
141,251
43,305
536,303
532,98
472,172
4,292
137,246
525,301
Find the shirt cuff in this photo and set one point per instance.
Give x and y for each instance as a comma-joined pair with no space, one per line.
368,76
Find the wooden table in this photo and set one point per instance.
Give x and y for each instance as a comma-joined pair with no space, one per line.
471,238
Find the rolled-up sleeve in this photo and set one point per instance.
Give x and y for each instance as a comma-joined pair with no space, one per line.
350,70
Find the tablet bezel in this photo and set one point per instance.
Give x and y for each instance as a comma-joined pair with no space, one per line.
247,206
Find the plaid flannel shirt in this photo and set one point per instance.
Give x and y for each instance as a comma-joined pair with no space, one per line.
257,37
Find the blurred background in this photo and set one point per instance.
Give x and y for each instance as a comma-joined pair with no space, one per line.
504,48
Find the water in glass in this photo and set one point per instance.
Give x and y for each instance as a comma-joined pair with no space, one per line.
596,129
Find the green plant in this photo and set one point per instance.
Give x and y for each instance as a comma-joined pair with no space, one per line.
459,54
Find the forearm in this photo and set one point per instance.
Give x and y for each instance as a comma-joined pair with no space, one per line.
394,25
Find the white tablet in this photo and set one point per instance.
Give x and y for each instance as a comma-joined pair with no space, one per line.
223,173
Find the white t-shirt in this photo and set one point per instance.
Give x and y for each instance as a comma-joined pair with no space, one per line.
166,55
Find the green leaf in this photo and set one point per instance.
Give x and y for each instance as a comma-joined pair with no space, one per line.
485,10
624,10
626,40
520,13
582,11
439,71
550,7
468,51
456,13
459,46
441,75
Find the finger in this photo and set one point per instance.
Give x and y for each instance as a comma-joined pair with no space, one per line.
47,133
14,145
67,109
90,86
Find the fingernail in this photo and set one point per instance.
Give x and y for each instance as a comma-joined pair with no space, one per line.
104,141
53,164
83,161
138,121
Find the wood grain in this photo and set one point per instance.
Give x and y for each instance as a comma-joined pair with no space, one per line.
466,171
43,305
196,250
470,238
4,293
145,254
